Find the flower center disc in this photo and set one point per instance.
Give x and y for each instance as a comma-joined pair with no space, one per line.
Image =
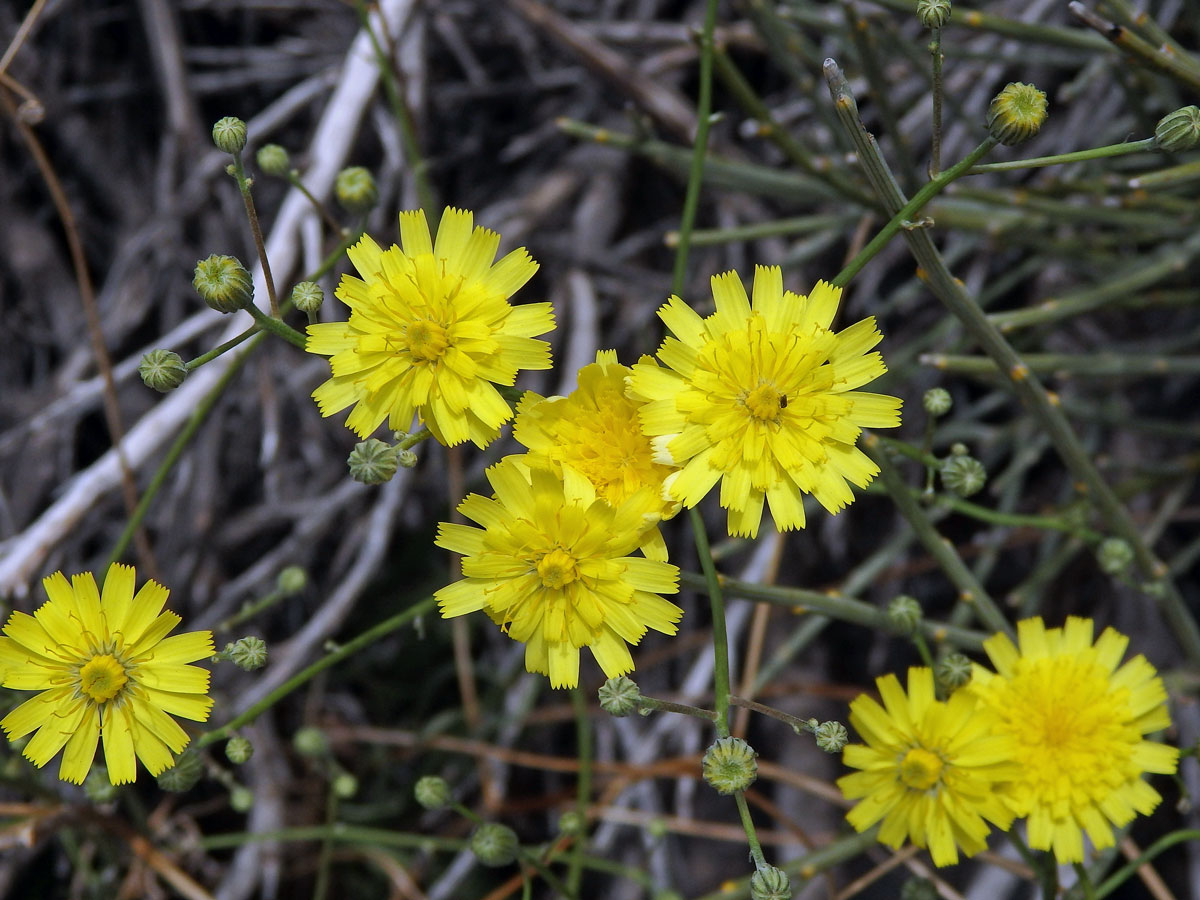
102,678
557,568
920,769
426,339
764,402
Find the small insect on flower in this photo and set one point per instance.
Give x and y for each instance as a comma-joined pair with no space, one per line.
106,669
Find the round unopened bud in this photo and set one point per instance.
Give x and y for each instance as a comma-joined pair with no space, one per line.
1115,556
918,889
162,370
1179,130
831,736
372,461
273,160
963,475
248,653
98,787
904,612
406,459
184,775
494,844
933,13
223,283
238,750
432,792
620,696
1016,114
310,741
241,799
572,823
229,134
291,580
345,786
307,297
958,448
770,883
953,671
355,189
937,401
729,765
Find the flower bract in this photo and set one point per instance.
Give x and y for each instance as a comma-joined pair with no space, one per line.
595,432
431,332
105,668
551,565
929,768
761,396
1079,719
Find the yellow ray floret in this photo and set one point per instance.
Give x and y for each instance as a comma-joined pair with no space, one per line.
594,431
431,332
929,769
106,670
762,397
551,565
1079,719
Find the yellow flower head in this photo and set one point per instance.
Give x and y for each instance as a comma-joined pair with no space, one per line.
595,431
105,668
431,332
551,566
761,397
1078,717
929,768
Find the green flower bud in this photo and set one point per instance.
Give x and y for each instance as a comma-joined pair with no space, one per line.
1179,130
162,370
494,844
291,580
963,475
933,13
273,160
1016,114
432,792
184,775
831,736
406,459
223,283
238,750
241,799
905,613
770,883
937,402
355,189
572,824
310,741
372,461
918,889
953,671
248,653
229,134
345,786
729,765
620,696
98,787
307,297
1115,556
959,449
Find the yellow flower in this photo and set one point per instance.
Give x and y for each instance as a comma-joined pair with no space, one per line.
551,566
595,431
431,332
760,396
106,668
929,768
1078,718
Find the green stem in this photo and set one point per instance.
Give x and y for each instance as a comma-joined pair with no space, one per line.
935,147
293,178
277,327
720,634
220,349
798,725
346,650
903,218
756,853
1096,365
684,709
325,856
1038,162
583,786
243,183
1183,69
1124,873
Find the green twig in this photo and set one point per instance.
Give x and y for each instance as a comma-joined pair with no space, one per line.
1039,162
583,786
243,183
277,327
1183,68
